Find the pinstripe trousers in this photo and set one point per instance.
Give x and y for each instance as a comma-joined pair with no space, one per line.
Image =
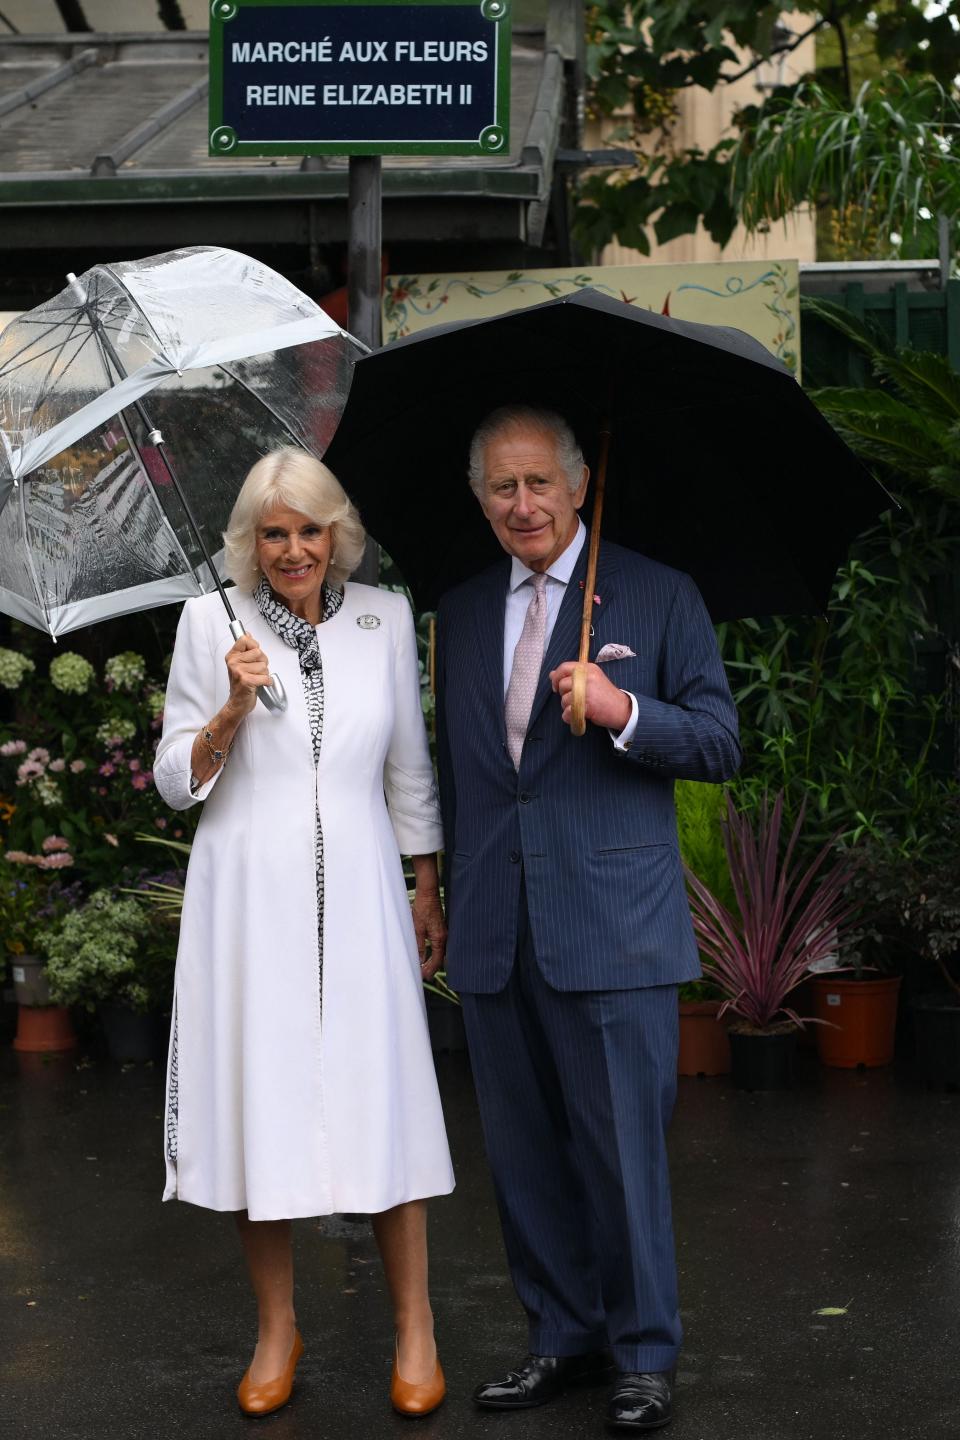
576,1090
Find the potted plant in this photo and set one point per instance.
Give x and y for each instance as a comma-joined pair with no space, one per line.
929,916
704,1047
856,993
33,896
790,915
111,955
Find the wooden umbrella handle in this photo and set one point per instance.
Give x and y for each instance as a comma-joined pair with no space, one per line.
578,695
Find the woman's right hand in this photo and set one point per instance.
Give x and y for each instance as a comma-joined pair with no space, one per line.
248,669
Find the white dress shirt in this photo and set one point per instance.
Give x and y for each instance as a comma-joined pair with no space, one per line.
518,601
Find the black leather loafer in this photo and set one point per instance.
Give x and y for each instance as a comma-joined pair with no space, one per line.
541,1378
641,1402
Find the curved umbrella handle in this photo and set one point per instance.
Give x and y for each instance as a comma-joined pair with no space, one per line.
273,695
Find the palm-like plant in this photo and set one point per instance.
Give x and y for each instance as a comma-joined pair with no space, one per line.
789,918
910,423
884,157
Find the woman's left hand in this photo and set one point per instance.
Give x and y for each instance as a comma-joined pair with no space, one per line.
430,928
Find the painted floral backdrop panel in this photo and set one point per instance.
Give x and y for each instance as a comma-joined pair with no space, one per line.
760,297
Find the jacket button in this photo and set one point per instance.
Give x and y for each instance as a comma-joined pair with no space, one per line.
514,857
523,797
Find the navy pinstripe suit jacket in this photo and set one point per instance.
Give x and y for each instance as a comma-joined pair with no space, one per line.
593,830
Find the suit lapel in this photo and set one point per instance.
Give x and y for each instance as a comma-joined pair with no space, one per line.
489,613
565,640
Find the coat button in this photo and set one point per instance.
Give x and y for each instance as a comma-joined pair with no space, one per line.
514,857
523,797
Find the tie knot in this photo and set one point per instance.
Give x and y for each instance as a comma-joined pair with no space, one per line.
538,582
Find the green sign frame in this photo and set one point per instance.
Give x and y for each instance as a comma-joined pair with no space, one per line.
226,140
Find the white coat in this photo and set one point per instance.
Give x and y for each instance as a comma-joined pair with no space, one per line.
285,1106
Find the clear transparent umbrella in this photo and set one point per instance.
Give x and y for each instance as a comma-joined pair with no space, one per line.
132,405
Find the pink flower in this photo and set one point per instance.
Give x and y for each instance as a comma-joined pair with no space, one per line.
56,862
110,839
18,857
107,768
14,747
139,782
29,770
40,755
77,766
55,842
160,823
134,764
57,765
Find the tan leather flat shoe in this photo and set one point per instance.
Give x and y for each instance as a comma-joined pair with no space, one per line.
264,1398
416,1400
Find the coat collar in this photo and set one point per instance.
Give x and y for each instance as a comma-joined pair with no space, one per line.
490,612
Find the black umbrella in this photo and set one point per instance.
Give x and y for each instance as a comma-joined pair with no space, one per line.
719,464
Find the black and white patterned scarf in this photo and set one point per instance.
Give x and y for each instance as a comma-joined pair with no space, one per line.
299,634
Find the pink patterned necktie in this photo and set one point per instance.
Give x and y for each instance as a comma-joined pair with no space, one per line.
527,662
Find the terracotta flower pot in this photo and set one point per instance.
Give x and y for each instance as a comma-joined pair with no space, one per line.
44,1028
704,1043
862,1016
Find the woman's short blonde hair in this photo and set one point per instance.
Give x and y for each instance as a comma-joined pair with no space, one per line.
292,479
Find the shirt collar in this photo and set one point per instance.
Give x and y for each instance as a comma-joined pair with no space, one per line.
561,569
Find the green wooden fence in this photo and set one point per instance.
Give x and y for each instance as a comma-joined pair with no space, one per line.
925,319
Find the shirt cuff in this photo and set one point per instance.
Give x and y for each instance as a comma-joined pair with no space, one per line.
622,741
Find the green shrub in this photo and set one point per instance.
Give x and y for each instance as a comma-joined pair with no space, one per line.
97,954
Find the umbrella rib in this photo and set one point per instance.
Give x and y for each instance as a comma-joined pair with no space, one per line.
21,486
261,401
141,312
10,368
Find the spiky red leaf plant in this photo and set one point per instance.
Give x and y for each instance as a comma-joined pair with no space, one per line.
789,918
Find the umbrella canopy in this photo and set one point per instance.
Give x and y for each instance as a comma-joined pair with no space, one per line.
718,465
220,355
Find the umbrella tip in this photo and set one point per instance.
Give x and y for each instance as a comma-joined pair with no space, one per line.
76,287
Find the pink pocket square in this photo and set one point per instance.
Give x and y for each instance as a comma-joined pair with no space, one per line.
615,652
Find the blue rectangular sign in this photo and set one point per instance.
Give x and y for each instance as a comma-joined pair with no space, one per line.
304,77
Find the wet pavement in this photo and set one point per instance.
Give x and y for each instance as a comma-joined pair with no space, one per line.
124,1318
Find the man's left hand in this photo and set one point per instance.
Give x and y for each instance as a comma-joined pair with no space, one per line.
606,704
430,928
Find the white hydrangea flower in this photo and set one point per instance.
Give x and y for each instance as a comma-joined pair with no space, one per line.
70,673
13,668
126,670
115,731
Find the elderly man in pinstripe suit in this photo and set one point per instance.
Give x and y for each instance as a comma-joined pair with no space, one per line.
569,927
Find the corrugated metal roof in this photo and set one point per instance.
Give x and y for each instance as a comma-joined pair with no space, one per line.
108,95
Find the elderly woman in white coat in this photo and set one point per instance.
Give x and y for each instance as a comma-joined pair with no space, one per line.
300,1079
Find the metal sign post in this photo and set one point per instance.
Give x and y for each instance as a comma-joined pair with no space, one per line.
389,77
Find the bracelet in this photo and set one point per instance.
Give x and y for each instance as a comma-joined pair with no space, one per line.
219,757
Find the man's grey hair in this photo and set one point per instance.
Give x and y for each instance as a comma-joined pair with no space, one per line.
508,417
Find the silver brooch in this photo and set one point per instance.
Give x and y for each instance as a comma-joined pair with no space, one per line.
368,622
